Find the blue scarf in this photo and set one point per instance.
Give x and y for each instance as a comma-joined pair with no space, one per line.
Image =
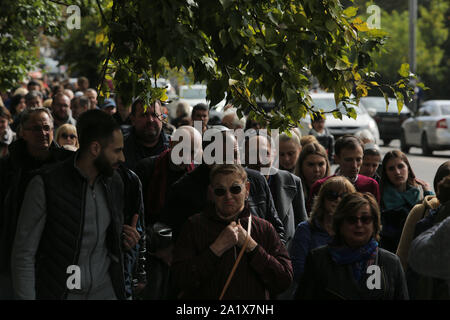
359,258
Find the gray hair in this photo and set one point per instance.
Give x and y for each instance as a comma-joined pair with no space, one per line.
27,113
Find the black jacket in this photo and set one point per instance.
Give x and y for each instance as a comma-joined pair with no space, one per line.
134,259
188,196
61,239
16,171
134,151
324,279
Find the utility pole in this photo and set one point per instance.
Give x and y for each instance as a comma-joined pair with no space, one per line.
412,43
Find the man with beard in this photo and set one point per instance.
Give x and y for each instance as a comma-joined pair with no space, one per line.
61,110
32,151
71,234
146,138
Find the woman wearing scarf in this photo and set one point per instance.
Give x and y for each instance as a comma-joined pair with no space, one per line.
219,240
400,192
318,230
353,266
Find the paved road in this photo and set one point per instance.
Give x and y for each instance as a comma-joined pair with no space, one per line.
424,167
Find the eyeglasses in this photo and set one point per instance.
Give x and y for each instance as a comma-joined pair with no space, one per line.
354,219
220,192
333,195
39,128
66,136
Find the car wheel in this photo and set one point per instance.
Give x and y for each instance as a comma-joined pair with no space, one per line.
426,150
403,146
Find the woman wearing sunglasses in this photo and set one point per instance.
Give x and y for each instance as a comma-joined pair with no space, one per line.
211,242
352,266
318,231
66,137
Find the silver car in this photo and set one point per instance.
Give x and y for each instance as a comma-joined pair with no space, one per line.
429,129
338,127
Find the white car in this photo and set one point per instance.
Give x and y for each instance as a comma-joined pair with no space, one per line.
428,130
193,94
338,127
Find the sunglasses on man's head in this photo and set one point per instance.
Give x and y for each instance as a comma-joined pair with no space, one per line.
66,136
354,219
220,192
333,195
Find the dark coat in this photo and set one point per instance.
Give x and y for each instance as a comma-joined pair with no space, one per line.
324,279
288,197
200,274
16,171
133,151
189,195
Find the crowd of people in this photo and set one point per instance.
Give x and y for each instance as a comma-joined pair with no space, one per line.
95,205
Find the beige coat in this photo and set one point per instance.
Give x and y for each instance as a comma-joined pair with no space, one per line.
418,212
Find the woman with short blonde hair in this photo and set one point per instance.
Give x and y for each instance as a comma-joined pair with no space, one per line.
66,135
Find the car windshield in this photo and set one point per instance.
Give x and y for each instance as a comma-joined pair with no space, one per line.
445,109
379,104
328,104
193,93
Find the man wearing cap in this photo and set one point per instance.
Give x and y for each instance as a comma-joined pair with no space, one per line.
109,106
146,137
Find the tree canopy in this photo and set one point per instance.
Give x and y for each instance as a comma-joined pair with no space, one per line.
244,51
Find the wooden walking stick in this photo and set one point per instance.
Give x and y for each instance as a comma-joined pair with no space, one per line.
241,253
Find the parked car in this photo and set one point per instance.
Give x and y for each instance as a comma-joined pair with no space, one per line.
194,94
338,127
429,129
389,121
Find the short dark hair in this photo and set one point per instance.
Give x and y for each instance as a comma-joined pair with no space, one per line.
140,101
371,150
200,106
347,141
95,125
441,173
33,83
443,191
